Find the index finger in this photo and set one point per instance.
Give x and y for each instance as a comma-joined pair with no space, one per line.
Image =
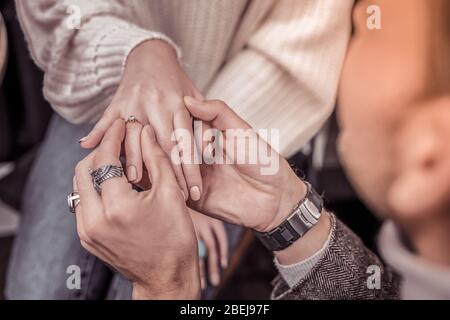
108,153
109,150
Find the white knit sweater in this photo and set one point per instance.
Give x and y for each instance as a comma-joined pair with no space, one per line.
276,62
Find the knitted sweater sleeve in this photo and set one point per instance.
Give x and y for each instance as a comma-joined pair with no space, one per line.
346,270
82,46
290,64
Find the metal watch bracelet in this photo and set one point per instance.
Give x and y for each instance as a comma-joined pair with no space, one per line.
304,216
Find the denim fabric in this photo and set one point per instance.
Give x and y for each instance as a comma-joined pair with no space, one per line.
47,242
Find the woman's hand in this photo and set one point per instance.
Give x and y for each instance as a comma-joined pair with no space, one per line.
263,194
147,236
152,90
212,232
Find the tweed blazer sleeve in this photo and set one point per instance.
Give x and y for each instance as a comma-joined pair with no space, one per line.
347,270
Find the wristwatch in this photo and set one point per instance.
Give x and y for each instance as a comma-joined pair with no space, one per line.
304,216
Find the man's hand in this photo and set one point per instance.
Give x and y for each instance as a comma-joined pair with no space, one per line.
148,236
152,90
239,192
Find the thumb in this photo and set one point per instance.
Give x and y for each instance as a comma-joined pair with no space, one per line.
216,112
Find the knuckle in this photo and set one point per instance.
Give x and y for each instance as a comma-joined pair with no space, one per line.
110,111
169,192
115,212
109,115
79,168
156,95
219,104
128,93
176,100
171,100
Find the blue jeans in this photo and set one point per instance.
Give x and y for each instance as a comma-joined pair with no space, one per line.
47,242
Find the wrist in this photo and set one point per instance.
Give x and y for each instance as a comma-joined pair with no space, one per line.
139,67
180,284
294,191
158,46
182,292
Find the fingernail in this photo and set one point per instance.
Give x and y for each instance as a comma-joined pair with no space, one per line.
191,100
132,173
195,193
215,279
83,139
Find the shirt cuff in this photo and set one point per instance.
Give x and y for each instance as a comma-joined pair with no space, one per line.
294,273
